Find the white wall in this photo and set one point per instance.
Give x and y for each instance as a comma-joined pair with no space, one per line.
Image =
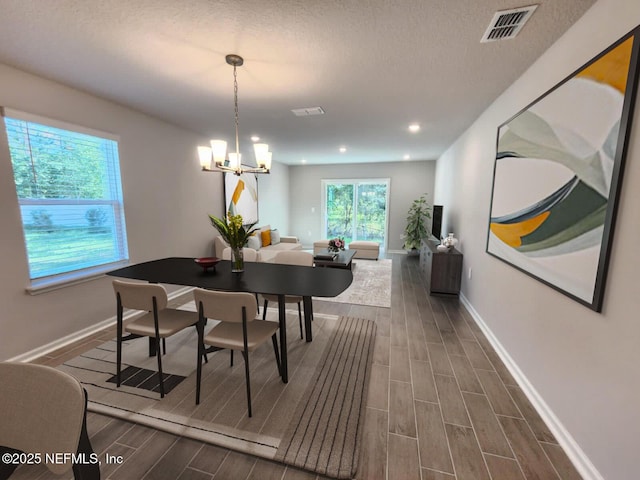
584,365
409,180
273,198
166,197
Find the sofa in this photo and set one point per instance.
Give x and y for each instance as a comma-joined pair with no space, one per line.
277,243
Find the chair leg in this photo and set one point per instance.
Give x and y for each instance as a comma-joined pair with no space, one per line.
264,310
85,471
274,340
200,329
300,320
6,469
159,356
204,354
231,363
258,303
118,353
248,381
164,346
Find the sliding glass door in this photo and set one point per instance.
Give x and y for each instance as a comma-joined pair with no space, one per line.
356,209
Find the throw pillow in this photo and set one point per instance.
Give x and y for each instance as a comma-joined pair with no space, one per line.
266,238
275,237
253,242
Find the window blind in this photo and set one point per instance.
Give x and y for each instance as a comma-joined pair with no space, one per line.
70,194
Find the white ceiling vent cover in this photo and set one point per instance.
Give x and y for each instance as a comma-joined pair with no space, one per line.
507,23
308,111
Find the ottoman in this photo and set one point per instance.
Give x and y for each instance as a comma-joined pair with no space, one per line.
319,246
365,249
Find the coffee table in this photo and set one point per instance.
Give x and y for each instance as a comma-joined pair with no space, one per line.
342,259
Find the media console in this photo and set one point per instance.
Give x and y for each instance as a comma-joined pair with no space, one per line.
442,270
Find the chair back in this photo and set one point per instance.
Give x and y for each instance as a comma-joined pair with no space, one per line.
249,254
294,257
139,296
225,306
42,410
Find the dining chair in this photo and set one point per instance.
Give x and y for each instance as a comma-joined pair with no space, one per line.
159,322
249,255
43,412
236,330
289,257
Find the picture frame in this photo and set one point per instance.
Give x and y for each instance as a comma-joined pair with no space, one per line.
558,173
241,196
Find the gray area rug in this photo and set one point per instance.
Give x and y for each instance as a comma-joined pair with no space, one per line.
341,351
324,435
371,284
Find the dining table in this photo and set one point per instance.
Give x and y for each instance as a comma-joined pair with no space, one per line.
258,277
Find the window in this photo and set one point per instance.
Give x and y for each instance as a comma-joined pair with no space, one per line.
68,184
356,209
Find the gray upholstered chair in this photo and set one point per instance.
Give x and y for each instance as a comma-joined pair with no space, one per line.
236,312
289,257
159,321
44,412
248,254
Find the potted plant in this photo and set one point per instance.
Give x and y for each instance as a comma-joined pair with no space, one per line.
416,228
236,235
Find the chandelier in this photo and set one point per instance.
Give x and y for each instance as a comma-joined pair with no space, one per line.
214,158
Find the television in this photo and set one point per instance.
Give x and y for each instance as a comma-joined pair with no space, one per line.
436,221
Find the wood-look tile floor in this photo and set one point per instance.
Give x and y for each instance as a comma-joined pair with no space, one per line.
441,406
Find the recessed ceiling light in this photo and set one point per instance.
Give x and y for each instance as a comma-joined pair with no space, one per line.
406,157
414,127
343,149
255,138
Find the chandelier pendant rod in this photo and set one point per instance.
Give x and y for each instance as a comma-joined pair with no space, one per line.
235,103
217,152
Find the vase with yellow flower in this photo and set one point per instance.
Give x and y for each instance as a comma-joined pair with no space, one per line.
236,235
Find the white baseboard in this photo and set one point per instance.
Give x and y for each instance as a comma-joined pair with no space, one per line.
81,334
566,441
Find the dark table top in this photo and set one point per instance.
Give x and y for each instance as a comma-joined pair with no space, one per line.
258,277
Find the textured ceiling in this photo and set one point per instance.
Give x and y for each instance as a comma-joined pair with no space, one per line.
374,66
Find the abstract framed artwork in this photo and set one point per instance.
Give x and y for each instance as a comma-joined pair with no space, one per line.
241,196
558,173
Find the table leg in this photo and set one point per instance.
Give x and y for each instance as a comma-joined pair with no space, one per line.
282,319
308,314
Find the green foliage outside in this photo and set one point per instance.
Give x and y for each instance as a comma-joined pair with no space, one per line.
41,220
54,164
87,250
65,169
97,217
370,217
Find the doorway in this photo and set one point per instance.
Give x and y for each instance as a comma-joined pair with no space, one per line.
356,209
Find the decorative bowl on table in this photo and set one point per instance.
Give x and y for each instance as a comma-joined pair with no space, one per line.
207,262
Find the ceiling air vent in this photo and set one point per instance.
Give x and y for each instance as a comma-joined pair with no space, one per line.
308,111
507,23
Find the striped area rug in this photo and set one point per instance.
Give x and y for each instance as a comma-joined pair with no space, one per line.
325,434
325,396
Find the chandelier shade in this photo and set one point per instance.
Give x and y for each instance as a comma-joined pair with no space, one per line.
215,157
